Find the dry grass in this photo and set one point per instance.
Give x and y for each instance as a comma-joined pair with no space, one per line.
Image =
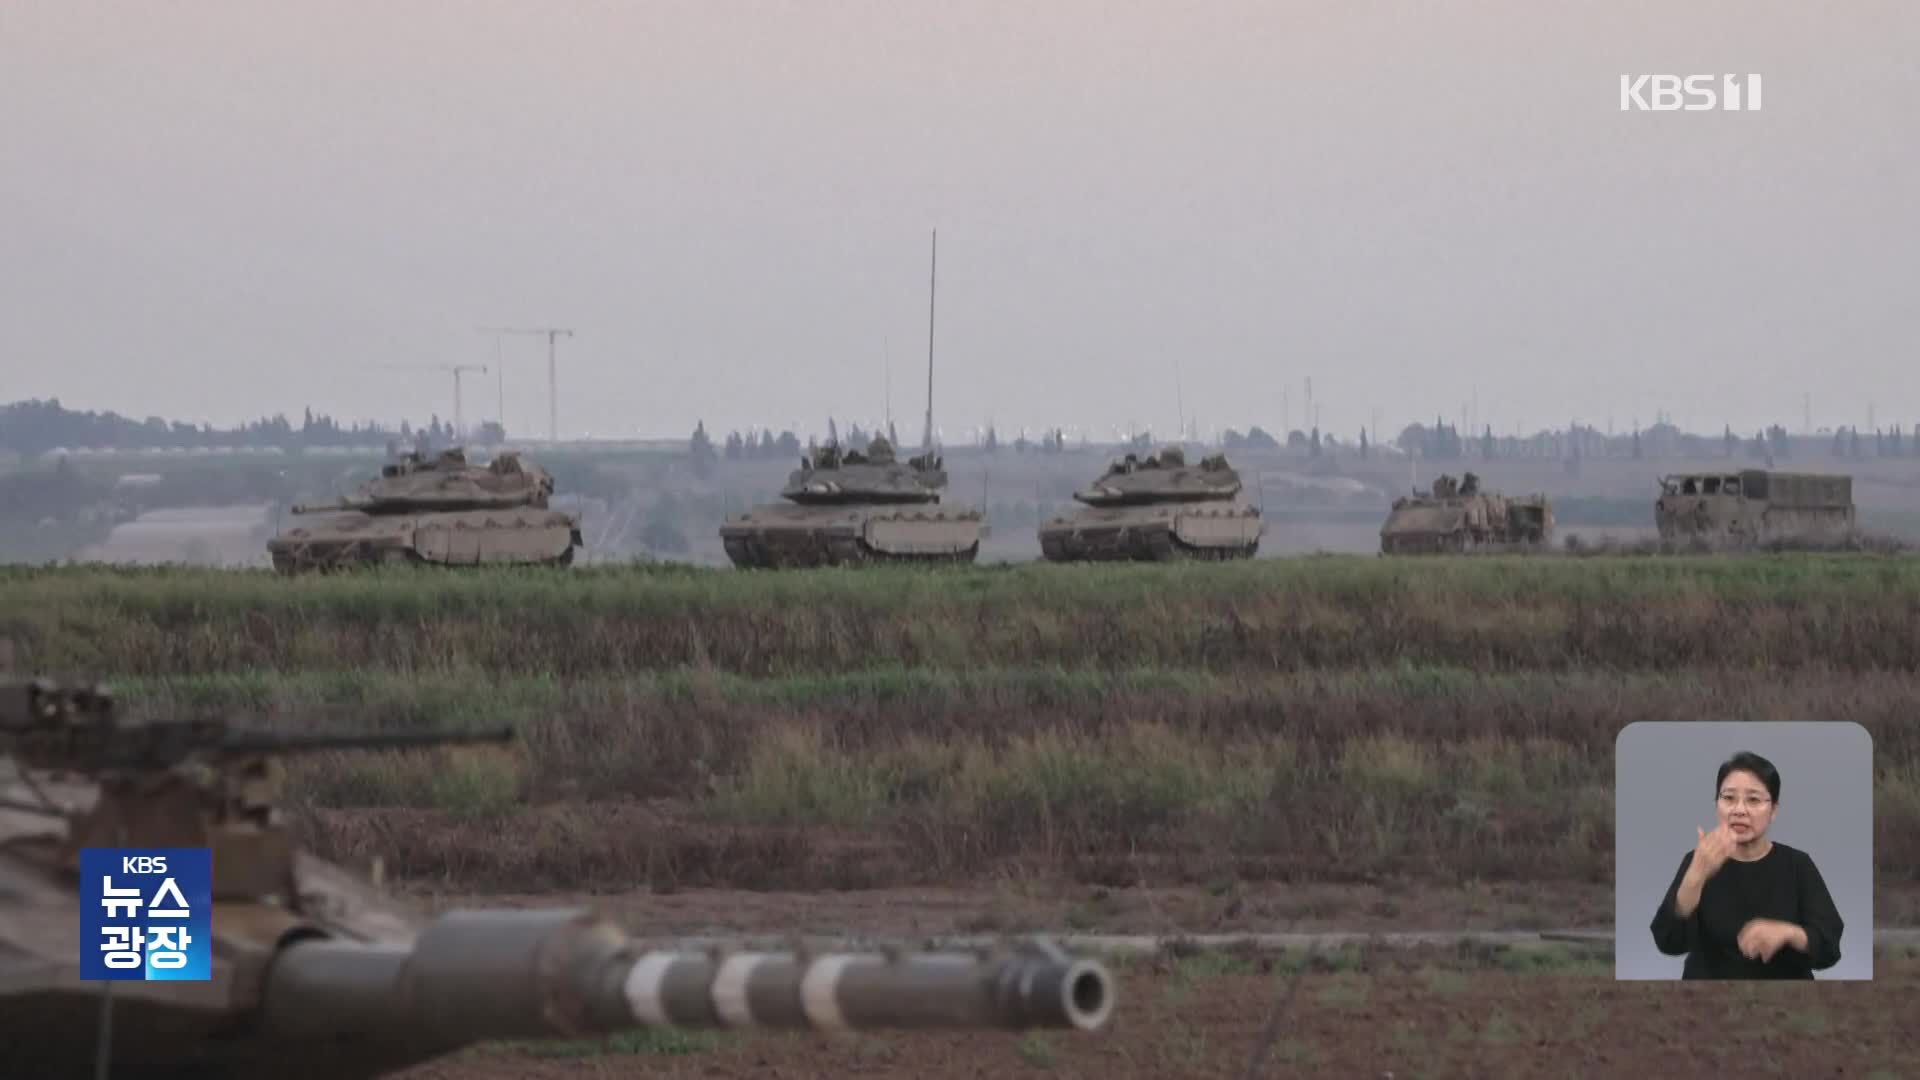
1327,718
1439,773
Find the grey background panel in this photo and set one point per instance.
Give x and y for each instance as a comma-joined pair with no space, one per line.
1664,790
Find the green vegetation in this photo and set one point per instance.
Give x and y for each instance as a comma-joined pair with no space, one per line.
1037,1050
1329,718
1518,614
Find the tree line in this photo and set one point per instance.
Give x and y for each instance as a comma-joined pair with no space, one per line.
35,427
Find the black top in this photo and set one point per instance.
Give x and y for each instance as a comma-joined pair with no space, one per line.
1782,884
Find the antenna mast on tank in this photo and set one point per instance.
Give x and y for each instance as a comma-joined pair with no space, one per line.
926,442
1180,399
552,334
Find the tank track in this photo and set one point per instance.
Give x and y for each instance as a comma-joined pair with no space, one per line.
1467,543
1150,543
802,549
317,558
360,556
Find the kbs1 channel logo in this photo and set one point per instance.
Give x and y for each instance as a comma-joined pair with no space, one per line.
146,914
1689,93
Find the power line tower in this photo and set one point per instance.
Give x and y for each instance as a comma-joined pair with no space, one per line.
459,414
552,334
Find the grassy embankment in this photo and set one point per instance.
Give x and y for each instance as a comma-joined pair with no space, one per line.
1334,718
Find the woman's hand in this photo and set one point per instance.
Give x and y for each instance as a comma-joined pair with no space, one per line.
1711,853
1708,857
1760,939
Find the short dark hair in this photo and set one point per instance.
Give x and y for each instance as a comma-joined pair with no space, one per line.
1751,762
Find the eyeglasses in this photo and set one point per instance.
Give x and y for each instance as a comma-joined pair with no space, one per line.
1754,802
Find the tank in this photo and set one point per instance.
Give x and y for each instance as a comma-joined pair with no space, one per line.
1158,508
1456,516
847,508
319,973
437,510
1755,506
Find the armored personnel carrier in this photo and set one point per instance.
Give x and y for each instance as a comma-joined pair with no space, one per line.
1158,508
437,510
1755,506
847,508
1456,516
319,974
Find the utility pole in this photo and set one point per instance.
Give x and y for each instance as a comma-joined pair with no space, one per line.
552,334
933,272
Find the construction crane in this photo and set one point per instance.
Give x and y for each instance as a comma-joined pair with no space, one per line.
459,418
552,334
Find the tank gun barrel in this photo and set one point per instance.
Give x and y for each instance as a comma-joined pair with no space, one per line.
161,745
245,743
75,728
474,975
331,506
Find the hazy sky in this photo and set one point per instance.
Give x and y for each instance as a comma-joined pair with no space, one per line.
213,211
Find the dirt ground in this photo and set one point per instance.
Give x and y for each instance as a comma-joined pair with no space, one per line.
1415,1015
1393,1013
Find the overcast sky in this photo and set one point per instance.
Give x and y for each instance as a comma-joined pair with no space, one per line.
213,211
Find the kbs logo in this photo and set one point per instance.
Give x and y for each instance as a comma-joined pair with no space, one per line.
1666,93
146,914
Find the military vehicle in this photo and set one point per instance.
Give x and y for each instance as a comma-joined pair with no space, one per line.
850,508
318,973
1456,516
439,511
1157,508
1755,506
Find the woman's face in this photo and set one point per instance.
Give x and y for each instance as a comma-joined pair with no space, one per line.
1745,808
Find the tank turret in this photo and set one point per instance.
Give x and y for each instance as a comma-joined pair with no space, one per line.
318,973
849,507
439,510
1157,508
834,477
